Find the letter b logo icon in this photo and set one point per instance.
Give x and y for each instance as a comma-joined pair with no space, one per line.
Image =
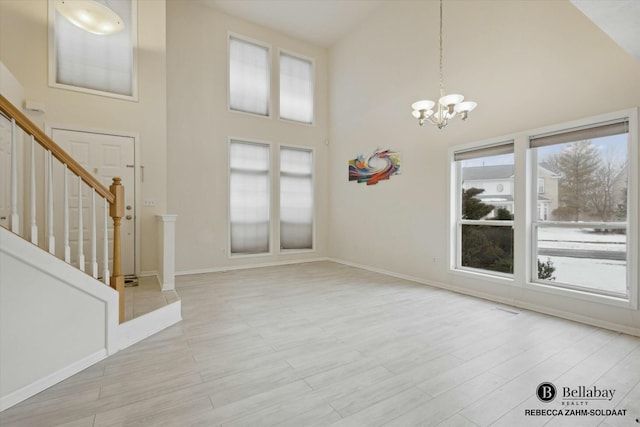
546,392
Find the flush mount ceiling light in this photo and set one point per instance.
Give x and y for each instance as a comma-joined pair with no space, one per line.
91,16
449,106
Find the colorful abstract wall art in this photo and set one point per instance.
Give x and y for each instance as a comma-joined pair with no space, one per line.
379,165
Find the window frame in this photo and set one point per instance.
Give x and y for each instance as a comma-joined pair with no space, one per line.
313,86
631,226
230,35
53,59
230,254
313,200
455,250
523,246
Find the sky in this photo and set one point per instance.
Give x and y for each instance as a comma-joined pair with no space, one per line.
615,146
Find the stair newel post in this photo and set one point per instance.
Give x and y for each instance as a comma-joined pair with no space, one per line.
116,211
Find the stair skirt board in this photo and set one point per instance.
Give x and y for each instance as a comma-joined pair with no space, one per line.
139,328
36,387
128,333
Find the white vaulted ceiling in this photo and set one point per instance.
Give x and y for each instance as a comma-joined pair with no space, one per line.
620,19
324,22
321,22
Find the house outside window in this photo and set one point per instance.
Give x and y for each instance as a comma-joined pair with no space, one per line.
484,218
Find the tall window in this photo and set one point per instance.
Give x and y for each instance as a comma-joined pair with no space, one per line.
582,242
249,193
83,61
248,77
296,88
296,198
484,221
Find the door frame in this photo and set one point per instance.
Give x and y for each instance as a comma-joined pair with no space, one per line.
137,173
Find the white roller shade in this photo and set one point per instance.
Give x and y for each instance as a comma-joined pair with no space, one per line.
296,198
248,77
296,89
249,197
96,62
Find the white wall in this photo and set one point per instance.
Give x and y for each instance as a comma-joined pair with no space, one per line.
10,88
199,125
527,64
54,319
24,51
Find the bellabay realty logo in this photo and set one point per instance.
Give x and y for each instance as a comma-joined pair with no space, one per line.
547,392
570,397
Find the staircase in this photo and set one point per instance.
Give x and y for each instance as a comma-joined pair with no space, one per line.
61,305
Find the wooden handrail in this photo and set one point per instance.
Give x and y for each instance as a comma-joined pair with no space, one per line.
28,126
114,195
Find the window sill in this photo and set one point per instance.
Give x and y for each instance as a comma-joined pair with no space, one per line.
502,279
581,295
296,251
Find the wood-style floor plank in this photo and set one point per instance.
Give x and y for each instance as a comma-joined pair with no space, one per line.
322,344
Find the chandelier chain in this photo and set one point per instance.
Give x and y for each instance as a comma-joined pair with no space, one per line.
441,79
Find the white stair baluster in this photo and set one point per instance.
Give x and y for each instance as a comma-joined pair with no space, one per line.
52,238
15,218
80,228
106,244
65,215
94,259
32,204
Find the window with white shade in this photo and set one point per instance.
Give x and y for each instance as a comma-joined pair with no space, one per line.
484,212
577,184
585,238
248,76
249,197
98,64
296,88
296,198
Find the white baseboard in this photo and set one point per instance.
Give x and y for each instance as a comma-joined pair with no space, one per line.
506,301
244,267
142,327
148,273
36,387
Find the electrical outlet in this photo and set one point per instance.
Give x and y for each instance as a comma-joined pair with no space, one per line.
149,202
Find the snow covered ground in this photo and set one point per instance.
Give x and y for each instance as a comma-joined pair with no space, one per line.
594,273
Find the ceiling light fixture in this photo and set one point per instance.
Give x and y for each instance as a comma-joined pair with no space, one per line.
91,16
449,106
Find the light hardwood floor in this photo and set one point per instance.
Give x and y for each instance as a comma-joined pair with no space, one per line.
145,297
325,344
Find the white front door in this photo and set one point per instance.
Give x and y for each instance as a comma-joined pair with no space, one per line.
105,156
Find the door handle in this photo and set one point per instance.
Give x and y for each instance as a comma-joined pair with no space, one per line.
128,217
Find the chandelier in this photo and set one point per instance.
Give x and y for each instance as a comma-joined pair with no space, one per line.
449,106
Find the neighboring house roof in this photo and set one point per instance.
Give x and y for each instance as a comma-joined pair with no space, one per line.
548,167
480,173
495,198
476,173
